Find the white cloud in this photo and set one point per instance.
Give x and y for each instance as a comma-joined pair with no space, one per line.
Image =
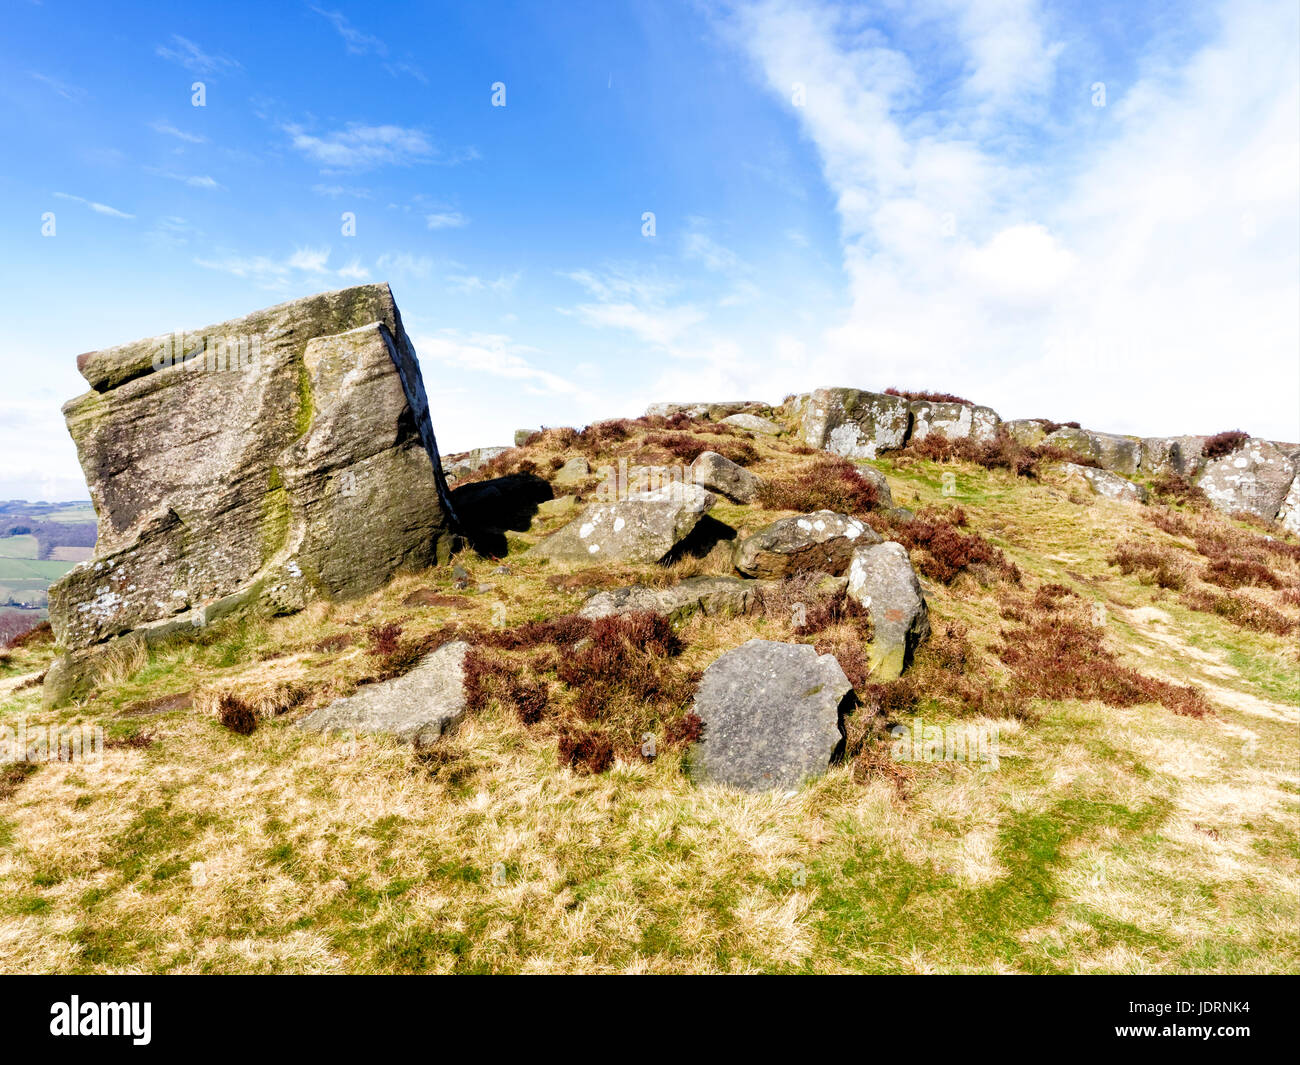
359,147
68,92
193,58
1139,272
98,208
171,131
446,220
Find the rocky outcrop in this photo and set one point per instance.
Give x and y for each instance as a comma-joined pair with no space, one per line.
821,541
1108,485
852,423
265,461
644,527
418,707
1180,455
718,474
575,471
882,580
710,596
772,716
712,411
956,421
1255,478
1120,454
458,467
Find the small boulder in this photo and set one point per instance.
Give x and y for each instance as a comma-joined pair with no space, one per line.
772,716
1255,478
710,596
884,497
1107,484
418,707
555,507
718,474
753,423
522,435
644,527
822,540
882,580
575,471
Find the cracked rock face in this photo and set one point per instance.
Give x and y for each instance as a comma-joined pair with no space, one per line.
1256,478
1179,455
644,527
290,457
882,579
852,423
822,540
418,707
710,596
956,421
772,716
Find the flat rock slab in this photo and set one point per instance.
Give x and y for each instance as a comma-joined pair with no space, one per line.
822,540
882,579
642,528
711,596
772,716
1107,484
753,423
417,708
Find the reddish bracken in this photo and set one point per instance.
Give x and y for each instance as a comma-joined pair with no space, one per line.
1220,444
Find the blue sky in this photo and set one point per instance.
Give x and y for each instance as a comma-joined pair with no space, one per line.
926,194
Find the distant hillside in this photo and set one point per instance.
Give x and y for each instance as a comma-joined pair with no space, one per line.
39,542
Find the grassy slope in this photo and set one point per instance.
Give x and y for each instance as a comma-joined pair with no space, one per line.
1128,840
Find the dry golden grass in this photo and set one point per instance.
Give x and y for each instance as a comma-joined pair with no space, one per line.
1108,839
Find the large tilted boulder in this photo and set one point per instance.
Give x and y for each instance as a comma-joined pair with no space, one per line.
881,579
719,474
956,421
644,527
1120,454
773,716
418,707
1180,455
1106,484
710,596
850,422
262,462
1255,479
822,541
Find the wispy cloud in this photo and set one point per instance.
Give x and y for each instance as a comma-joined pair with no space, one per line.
358,42
169,130
68,92
98,208
634,304
335,192
303,264
446,220
492,354
503,285
193,58
361,147
196,181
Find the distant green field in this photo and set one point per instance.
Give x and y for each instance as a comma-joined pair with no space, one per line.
86,513
18,547
29,569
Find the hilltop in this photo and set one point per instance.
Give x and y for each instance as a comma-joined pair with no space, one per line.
1115,683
